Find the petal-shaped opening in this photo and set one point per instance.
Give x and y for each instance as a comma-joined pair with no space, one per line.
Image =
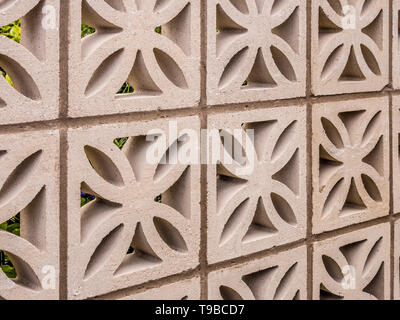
283,64
170,235
283,209
171,69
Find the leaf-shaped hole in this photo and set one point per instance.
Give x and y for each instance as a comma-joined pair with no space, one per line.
332,268
371,187
232,68
331,63
234,222
373,256
117,5
104,166
240,5
371,60
372,128
170,235
285,284
103,251
332,133
331,200
285,139
19,178
228,293
106,70
283,64
7,266
283,209
170,68
20,78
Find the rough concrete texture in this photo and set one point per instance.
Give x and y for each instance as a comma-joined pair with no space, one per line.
29,184
183,290
31,64
353,266
395,44
396,258
278,277
264,206
350,162
255,50
396,153
163,68
163,234
350,46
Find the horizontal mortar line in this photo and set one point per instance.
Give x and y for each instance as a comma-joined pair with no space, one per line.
153,284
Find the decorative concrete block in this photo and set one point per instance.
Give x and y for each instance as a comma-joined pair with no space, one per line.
396,279
182,290
143,222
350,46
162,69
350,151
395,47
279,277
257,198
29,187
30,92
396,154
353,266
256,50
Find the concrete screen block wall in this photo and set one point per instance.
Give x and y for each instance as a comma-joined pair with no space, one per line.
199,149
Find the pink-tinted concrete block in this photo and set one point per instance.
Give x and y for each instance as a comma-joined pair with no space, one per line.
278,277
257,200
182,290
395,46
350,46
31,90
29,186
396,154
144,222
350,151
256,50
163,69
396,279
353,266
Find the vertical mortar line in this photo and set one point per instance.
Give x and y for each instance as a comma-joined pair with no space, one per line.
63,105
203,177
308,151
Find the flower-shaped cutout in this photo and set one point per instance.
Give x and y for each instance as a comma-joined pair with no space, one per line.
153,45
350,163
259,201
256,50
350,46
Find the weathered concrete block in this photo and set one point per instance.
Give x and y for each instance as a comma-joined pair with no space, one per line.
278,277
350,151
353,266
396,154
350,46
143,223
29,185
255,50
256,201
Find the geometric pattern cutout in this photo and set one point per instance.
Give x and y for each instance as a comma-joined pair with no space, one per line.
162,67
396,153
31,65
29,188
354,266
278,277
265,206
183,290
350,46
143,223
350,162
256,50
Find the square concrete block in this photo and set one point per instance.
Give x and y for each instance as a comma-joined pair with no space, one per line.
396,278
350,46
182,290
353,266
162,68
395,47
350,161
30,91
396,154
257,188
278,277
141,220
256,50
29,187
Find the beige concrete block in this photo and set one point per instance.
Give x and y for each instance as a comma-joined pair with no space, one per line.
29,185
353,266
396,155
32,64
258,200
350,152
182,290
164,70
395,47
350,46
256,50
278,277
396,279
125,236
